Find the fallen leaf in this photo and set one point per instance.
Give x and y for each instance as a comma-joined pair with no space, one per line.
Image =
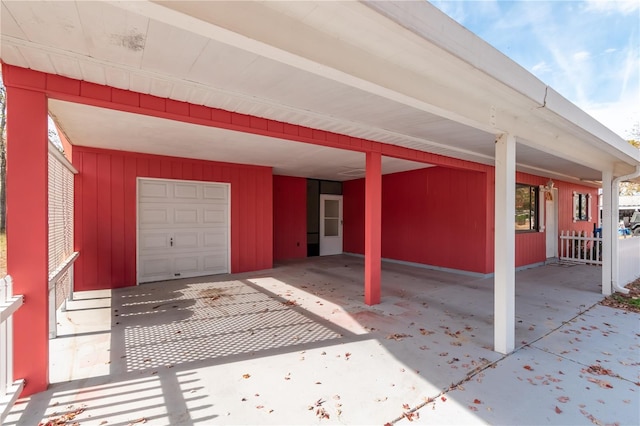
140,420
259,407
398,336
473,408
563,399
443,398
246,376
602,383
477,401
597,369
528,367
558,410
406,406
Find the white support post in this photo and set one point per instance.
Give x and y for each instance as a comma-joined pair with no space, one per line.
504,249
609,231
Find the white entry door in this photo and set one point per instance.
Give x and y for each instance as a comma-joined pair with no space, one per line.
330,224
551,222
183,229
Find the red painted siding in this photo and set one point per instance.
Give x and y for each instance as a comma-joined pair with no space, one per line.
531,246
289,217
434,216
105,211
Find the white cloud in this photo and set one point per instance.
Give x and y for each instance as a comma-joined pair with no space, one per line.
610,50
581,56
613,6
540,68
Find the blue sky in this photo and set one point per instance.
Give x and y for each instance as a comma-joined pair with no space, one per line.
588,51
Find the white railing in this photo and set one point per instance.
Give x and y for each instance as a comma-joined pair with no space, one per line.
9,389
54,277
581,247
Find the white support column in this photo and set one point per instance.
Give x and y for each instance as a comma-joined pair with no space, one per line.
504,249
609,231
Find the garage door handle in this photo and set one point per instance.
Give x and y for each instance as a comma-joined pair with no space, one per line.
171,241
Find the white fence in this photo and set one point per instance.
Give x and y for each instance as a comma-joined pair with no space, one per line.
629,260
9,390
582,247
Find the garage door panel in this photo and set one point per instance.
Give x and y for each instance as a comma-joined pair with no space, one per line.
154,216
184,240
216,239
154,190
215,193
215,264
183,229
215,216
150,241
186,191
185,216
187,264
155,267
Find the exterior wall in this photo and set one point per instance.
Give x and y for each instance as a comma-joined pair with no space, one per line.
444,217
434,216
106,204
289,217
531,246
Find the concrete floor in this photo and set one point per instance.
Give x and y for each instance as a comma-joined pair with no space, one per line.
296,345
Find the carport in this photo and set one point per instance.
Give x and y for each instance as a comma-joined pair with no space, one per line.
299,89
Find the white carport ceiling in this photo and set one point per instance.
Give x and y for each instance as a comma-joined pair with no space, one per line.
104,128
336,66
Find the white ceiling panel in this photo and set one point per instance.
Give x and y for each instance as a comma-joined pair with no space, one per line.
51,24
117,77
9,25
171,50
93,72
66,66
12,55
113,34
140,83
37,59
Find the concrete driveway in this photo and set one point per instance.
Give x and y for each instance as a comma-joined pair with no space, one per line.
296,345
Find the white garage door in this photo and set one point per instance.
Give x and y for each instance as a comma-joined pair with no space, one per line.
183,229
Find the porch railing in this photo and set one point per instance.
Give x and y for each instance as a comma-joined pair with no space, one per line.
581,247
9,389
64,268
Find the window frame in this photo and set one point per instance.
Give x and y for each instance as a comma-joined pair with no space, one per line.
578,199
534,209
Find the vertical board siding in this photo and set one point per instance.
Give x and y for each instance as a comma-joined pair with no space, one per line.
434,216
289,217
106,206
531,246
353,216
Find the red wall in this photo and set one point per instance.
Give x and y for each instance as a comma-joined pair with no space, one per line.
531,246
444,217
289,217
105,211
435,216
